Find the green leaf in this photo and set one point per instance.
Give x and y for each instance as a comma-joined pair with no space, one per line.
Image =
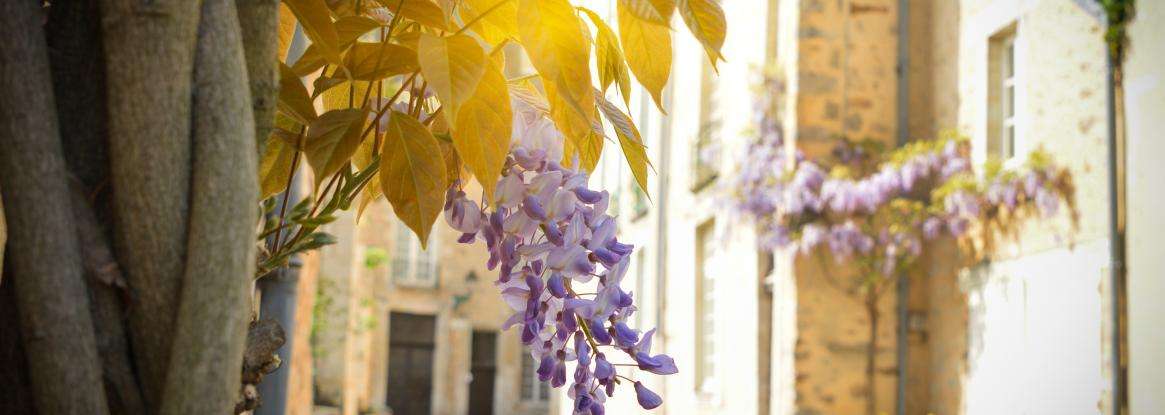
453,65
706,21
332,139
633,149
316,20
481,134
647,47
412,174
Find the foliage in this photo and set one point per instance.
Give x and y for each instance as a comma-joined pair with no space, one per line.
1118,14
451,114
414,98
875,208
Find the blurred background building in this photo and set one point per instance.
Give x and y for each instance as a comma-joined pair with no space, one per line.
754,332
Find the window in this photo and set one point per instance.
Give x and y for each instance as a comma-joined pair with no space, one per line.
705,309
532,388
412,266
1001,133
640,281
706,152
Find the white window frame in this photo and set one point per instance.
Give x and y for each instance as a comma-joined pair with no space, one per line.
1005,96
536,390
706,344
411,266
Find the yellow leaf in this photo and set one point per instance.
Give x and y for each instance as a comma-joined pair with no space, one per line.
648,51
612,67
350,28
375,61
286,30
412,174
421,11
275,167
332,139
293,99
501,23
482,132
654,11
553,38
706,21
527,94
633,149
578,122
452,65
316,20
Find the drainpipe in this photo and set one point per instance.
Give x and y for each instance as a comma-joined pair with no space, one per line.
1116,231
661,241
903,289
279,290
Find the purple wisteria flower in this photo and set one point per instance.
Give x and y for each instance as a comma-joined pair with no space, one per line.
876,205
548,235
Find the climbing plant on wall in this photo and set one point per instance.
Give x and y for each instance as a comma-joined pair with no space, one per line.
872,210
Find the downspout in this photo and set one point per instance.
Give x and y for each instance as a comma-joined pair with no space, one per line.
661,229
279,290
1116,209
903,289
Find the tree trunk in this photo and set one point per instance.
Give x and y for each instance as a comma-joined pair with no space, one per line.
259,20
211,326
149,53
46,270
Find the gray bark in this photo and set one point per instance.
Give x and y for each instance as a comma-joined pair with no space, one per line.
210,331
259,20
106,290
50,291
149,53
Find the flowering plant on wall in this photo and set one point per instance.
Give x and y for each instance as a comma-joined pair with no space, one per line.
548,235
876,207
874,210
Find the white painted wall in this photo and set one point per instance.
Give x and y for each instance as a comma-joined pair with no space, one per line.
1035,333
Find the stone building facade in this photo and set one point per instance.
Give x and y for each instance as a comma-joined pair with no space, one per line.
413,331
761,332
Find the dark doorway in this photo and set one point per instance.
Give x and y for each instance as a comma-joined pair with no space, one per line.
483,367
411,339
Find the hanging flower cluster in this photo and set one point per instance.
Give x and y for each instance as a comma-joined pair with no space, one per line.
548,236
880,205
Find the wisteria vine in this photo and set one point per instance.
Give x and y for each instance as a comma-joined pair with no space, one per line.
878,207
548,235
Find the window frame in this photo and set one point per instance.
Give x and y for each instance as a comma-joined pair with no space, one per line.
1004,95
406,243
537,391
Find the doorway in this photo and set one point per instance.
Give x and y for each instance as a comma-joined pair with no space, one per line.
411,341
483,368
